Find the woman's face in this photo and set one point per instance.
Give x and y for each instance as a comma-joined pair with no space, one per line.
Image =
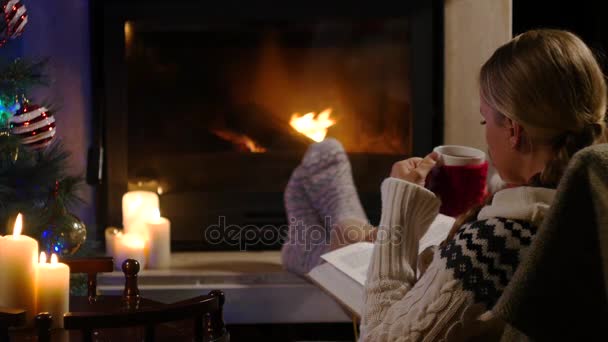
499,137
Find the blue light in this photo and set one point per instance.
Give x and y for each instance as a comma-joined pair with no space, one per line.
56,249
7,110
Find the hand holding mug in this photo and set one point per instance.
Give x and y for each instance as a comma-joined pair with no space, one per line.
415,170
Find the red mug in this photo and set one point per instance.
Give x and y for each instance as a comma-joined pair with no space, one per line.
459,179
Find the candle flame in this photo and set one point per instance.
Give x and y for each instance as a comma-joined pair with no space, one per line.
54,259
42,258
156,213
18,225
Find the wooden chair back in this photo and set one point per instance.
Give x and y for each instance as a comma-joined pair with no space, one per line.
10,318
206,312
91,266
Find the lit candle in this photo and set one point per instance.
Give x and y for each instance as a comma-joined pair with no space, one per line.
159,241
111,234
18,261
53,288
129,246
136,208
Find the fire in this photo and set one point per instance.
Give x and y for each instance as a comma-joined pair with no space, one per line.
240,140
312,125
18,227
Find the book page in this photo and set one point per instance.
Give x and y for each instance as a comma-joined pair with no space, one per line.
345,290
353,260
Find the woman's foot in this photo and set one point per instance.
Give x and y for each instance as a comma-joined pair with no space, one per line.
320,194
329,182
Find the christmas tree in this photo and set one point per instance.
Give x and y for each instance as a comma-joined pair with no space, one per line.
34,179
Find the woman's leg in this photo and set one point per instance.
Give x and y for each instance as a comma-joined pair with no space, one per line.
320,194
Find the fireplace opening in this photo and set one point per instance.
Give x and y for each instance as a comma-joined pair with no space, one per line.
238,87
214,114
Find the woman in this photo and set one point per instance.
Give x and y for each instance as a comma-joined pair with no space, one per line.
543,97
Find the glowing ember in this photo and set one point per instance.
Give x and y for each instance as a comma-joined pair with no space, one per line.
240,140
312,125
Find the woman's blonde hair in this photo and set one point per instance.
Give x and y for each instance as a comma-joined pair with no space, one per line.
549,82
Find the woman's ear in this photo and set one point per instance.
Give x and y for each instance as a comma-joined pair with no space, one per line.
511,133
517,135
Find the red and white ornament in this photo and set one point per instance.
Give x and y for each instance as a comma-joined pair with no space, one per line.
34,124
12,19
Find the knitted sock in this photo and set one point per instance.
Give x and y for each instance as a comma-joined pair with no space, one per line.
305,241
329,182
319,194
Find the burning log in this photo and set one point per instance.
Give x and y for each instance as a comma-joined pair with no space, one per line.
251,128
242,142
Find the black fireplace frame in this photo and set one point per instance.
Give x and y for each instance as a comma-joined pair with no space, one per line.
110,83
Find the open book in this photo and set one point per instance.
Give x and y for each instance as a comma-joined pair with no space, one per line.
345,270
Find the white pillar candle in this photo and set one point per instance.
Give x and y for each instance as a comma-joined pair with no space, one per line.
111,235
136,207
159,242
53,288
18,263
129,246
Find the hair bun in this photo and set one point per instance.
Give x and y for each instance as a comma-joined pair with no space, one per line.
587,136
591,132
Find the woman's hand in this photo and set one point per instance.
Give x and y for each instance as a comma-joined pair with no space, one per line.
349,231
415,169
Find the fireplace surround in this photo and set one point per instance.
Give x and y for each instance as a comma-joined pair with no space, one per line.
180,84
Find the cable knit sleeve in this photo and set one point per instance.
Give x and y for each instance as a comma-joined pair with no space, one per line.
407,212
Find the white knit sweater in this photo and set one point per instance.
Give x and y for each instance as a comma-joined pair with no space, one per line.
452,299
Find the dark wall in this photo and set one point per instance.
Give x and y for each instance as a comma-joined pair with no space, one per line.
586,18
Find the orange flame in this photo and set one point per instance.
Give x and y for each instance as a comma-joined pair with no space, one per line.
311,125
18,225
240,140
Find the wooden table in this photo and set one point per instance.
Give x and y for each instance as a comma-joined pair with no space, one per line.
106,304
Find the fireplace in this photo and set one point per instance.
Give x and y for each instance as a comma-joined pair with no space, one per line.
212,106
